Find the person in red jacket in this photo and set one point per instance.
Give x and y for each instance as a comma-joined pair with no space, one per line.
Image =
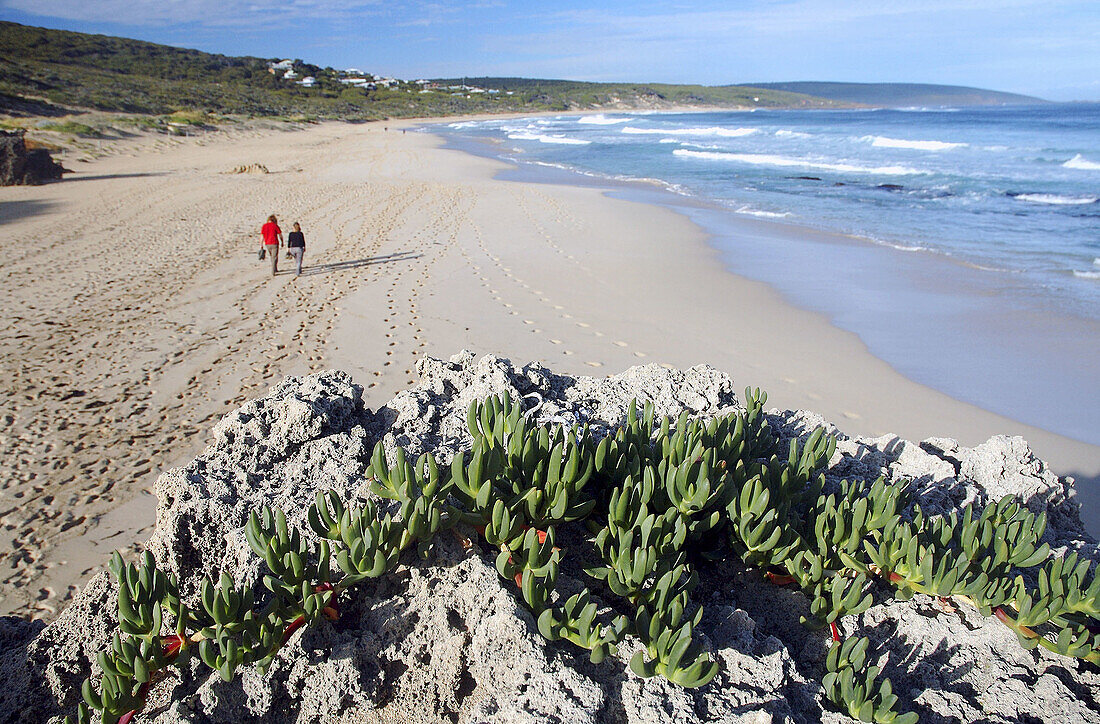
272,237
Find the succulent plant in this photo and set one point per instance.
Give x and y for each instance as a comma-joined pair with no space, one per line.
850,685
648,503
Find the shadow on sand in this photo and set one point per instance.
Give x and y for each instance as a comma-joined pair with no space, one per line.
104,176
345,265
14,210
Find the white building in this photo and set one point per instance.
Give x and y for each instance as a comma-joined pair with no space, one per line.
308,82
282,65
290,74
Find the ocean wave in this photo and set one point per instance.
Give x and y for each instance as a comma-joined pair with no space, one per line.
1096,261
601,120
542,138
761,159
463,124
887,142
1086,274
784,133
711,131
1056,199
669,140
749,211
1082,163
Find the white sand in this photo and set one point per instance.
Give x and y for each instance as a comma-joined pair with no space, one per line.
137,314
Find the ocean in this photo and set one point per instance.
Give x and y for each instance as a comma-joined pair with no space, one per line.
961,245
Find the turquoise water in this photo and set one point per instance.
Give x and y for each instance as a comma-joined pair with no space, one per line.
975,266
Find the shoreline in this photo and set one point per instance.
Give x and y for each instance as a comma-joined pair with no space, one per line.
972,333
141,315
1067,455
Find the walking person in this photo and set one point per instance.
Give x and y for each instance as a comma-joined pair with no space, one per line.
296,246
272,236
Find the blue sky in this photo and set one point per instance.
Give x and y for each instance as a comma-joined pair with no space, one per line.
1040,47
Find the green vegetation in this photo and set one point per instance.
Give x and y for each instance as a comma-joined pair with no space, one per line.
42,70
645,508
71,128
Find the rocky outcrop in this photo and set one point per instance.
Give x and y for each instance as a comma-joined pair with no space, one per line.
445,640
20,166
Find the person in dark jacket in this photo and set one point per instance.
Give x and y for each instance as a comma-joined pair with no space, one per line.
296,245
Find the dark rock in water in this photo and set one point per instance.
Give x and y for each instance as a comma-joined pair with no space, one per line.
805,178
447,640
891,187
20,166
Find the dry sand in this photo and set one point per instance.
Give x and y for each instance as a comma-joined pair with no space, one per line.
136,314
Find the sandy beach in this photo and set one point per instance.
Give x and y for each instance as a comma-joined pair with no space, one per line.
138,314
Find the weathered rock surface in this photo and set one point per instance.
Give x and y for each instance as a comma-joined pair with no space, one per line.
20,166
445,640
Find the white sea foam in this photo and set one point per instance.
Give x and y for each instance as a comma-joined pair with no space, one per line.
762,159
711,131
1082,163
887,142
601,120
749,211
463,124
1057,200
1086,274
543,138
784,133
1096,261
669,140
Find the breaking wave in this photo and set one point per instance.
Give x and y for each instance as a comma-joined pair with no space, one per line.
711,131
761,159
1057,199
1082,163
887,142
542,138
601,120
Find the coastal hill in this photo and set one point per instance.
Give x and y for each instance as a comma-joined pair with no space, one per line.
51,72
902,95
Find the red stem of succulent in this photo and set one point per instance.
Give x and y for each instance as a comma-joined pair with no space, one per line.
1011,623
779,579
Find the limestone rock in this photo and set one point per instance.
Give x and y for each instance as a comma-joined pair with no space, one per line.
446,640
20,166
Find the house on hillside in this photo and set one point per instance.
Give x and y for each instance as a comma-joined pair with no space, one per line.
282,65
308,82
290,74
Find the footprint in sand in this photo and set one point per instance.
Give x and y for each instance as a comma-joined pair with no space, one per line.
617,343
555,341
594,364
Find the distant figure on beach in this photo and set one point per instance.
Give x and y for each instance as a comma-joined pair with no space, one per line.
296,246
272,236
